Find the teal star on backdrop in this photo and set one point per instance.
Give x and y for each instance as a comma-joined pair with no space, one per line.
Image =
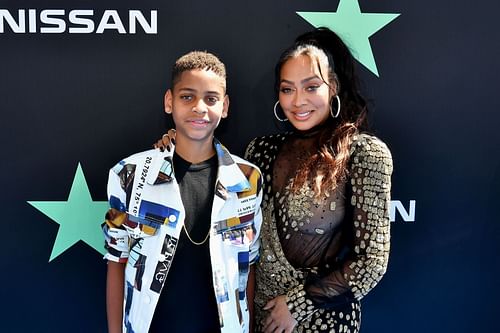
79,217
354,27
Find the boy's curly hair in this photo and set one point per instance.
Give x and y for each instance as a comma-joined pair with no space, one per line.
198,60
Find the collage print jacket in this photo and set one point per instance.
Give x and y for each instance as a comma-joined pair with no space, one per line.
143,226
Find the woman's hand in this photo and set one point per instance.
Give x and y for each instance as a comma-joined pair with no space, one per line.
167,141
279,319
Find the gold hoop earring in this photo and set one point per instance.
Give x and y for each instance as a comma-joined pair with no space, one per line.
338,108
276,112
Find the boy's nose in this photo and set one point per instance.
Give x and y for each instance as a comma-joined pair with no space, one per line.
200,107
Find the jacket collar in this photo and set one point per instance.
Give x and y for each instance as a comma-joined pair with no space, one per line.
229,175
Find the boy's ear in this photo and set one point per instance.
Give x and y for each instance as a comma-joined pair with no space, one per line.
225,106
167,101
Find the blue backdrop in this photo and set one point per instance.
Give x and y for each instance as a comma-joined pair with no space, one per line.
91,98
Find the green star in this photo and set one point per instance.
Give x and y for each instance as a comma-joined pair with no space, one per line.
354,27
79,217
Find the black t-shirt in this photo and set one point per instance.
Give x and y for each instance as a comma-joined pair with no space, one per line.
187,302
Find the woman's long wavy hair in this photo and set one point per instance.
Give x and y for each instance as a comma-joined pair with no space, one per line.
329,165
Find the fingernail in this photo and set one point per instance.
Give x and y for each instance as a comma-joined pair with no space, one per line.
173,141
168,148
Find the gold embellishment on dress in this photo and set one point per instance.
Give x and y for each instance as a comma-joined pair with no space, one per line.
299,207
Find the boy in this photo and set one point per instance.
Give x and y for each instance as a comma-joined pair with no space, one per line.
183,226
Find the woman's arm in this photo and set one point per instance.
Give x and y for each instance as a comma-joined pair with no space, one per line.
167,141
251,295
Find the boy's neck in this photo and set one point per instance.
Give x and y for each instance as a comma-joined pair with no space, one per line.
195,153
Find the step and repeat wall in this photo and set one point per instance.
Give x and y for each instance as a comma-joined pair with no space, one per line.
82,86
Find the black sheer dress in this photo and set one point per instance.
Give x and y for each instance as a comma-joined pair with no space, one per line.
323,253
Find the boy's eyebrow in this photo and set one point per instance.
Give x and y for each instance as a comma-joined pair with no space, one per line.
301,81
211,92
187,89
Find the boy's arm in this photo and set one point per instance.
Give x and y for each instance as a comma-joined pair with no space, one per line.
251,295
116,244
114,296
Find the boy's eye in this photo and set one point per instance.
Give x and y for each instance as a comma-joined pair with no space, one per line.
186,97
211,100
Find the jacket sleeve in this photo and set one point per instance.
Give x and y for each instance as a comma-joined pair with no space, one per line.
370,180
115,235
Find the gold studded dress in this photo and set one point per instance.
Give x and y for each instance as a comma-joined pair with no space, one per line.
325,253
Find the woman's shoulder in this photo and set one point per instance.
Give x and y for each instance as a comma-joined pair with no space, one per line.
365,146
265,143
267,140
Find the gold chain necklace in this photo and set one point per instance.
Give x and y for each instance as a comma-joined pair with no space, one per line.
192,241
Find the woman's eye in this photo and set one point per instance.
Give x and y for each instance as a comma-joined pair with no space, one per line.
312,88
286,90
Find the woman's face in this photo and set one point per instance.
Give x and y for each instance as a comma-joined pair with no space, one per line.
303,94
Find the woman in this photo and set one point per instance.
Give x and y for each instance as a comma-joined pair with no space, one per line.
325,235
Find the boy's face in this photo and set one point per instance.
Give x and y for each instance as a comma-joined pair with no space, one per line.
197,103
